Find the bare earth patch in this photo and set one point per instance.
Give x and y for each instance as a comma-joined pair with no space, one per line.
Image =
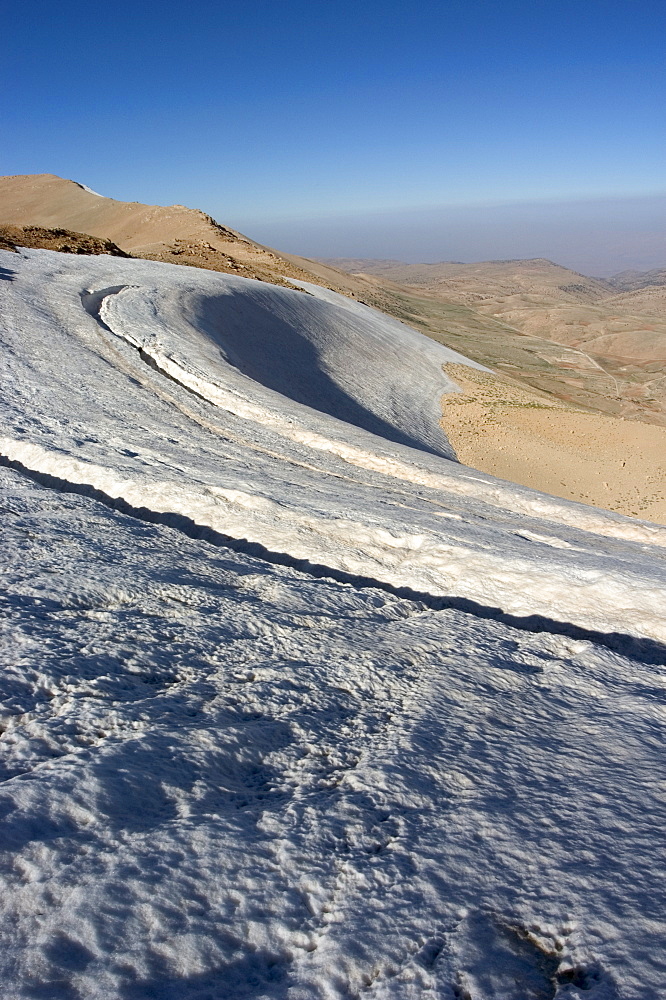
498,426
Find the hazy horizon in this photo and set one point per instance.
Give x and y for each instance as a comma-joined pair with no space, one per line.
598,237
339,119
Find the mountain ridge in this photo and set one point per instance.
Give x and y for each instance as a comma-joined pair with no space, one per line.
171,234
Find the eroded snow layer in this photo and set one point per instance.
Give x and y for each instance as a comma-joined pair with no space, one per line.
155,386
291,709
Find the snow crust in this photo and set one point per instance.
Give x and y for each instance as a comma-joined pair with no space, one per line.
89,190
294,704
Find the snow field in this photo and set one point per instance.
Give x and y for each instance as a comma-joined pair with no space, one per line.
299,776
306,500
224,778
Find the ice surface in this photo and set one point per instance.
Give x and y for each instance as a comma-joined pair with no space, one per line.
297,706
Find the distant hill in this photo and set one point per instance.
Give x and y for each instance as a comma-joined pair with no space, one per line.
647,299
472,283
612,332
546,300
630,281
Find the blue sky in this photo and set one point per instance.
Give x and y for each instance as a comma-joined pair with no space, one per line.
274,112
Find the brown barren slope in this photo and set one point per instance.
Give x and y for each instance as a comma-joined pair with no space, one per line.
469,284
50,201
500,426
173,234
603,349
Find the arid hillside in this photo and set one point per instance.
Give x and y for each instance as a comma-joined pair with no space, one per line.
629,281
470,284
174,234
604,342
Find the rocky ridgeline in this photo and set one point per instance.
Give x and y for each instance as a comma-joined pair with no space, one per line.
62,240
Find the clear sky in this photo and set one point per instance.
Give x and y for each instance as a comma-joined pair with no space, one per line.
267,113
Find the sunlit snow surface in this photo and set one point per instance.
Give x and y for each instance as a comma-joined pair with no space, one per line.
292,709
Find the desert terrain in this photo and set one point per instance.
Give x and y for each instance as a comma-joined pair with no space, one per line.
517,433
610,336
597,346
